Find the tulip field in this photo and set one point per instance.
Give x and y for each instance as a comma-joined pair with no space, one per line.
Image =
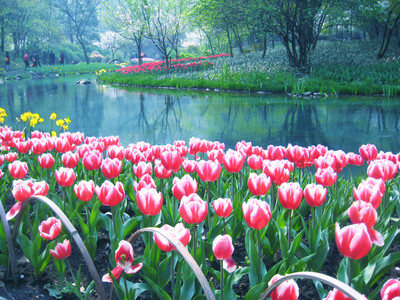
213,223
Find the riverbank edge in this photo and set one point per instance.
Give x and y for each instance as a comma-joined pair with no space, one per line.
285,88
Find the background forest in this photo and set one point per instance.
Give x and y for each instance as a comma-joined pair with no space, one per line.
95,30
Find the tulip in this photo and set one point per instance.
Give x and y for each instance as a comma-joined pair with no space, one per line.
256,213
362,212
11,156
15,209
233,161
290,195
382,169
287,290
208,171
46,160
171,160
189,166
23,147
111,168
337,295
92,160
62,250
149,201
141,169
160,171
62,145
1,159
326,177
391,290
354,159
179,232
115,151
223,207
258,184
18,169
315,194
184,187
22,190
50,228
295,154
353,241
82,149
65,176
193,209
70,160
278,171
38,146
216,155
222,247
84,190
124,258
370,191
145,182
110,194
229,265
255,162
276,152
368,152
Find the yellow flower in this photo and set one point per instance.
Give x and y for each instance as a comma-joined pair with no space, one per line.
67,120
33,122
53,133
40,120
35,116
24,117
60,122
65,127
53,116
1,120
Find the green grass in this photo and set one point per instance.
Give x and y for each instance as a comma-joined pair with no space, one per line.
337,68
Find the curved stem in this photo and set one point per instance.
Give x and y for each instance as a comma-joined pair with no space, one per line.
333,282
222,279
72,230
259,255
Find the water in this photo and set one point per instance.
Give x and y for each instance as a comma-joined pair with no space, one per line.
161,116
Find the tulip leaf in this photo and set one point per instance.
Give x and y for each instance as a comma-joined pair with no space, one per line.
164,272
94,214
377,268
188,288
232,279
129,226
343,271
159,291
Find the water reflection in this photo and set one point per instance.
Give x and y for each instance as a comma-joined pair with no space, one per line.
160,116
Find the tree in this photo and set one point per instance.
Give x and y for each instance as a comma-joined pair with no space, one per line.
127,19
164,23
81,14
298,24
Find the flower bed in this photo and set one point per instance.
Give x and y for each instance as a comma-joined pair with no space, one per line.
244,215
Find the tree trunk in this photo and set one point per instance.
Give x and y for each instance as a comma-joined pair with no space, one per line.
209,42
264,45
81,42
229,42
2,34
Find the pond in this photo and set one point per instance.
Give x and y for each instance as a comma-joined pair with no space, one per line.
161,116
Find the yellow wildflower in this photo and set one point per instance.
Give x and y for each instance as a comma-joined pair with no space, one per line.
65,127
24,117
35,116
60,122
53,116
33,122
40,120
67,120
1,120
53,133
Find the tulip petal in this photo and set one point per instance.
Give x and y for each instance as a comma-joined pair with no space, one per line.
376,237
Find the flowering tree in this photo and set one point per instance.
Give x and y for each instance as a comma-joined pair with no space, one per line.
127,20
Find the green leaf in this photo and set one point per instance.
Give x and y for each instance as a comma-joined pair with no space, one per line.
129,226
158,290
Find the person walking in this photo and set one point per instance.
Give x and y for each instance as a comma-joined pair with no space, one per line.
61,59
25,58
7,61
52,58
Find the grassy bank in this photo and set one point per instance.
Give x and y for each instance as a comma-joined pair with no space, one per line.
18,70
337,68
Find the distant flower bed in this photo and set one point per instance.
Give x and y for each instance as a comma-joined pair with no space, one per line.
175,65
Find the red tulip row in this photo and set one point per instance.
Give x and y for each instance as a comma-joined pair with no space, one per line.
176,65
274,165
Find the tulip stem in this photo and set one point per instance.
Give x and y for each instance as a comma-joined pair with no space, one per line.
87,215
64,199
223,220
194,241
289,228
233,187
113,220
350,261
259,255
172,273
272,197
126,286
222,279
